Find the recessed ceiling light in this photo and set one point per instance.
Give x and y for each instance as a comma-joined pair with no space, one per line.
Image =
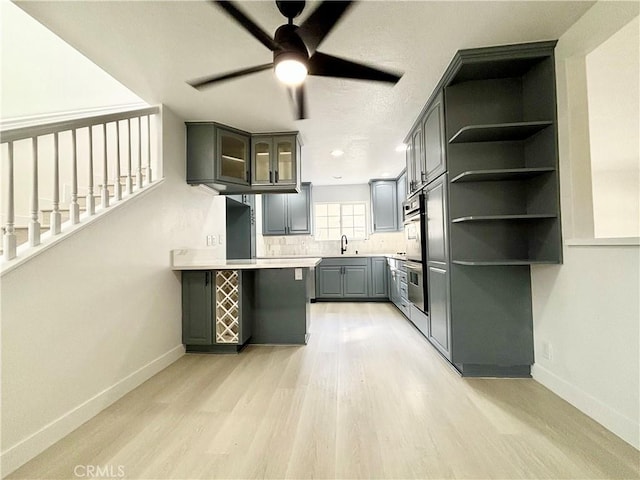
385,174
401,148
337,153
337,177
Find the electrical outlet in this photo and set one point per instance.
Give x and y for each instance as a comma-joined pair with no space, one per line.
211,240
547,351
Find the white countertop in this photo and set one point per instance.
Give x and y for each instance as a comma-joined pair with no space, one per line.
193,259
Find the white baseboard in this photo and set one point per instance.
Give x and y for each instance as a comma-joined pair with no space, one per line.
20,453
619,424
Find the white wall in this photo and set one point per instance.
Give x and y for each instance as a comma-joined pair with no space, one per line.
99,313
587,310
34,61
613,73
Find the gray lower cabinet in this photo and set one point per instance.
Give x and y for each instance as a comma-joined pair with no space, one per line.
216,309
287,213
438,265
351,278
384,206
197,308
379,287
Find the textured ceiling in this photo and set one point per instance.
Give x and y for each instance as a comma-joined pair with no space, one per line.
152,47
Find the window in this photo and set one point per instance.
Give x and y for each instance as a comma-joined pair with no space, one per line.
332,220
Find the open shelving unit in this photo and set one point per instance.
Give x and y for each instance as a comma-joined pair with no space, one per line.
502,158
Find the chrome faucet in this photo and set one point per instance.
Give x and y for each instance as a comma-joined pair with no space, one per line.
343,246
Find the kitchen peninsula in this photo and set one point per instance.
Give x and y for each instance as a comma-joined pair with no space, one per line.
227,304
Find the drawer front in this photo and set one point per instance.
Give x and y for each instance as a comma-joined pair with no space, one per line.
337,261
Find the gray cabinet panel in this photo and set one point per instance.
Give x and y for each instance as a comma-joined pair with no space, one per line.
197,308
440,325
287,214
434,140
436,198
232,156
200,153
329,281
401,191
274,214
299,211
355,281
384,206
379,280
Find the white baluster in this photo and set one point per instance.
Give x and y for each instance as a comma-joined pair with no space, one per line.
129,169
74,208
56,218
139,178
34,223
9,239
91,201
149,178
117,185
105,173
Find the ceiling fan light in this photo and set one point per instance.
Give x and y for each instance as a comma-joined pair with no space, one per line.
291,72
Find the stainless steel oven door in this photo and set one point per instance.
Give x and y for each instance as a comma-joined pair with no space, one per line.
413,242
415,284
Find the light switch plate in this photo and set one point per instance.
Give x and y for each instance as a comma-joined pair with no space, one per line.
298,274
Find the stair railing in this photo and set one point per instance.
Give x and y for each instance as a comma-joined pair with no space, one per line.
111,126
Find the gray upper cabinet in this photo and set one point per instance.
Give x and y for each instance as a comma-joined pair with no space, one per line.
217,154
274,213
299,211
233,161
287,214
384,205
415,168
401,191
434,139
274,160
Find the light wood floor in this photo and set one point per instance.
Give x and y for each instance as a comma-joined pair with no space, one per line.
366,398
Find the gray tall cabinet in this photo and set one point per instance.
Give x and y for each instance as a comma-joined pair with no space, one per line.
489,164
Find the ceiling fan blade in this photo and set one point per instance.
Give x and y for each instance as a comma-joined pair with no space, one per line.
316,27
210,80
329,66
248,24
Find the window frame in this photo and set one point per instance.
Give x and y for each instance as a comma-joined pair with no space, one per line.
341,205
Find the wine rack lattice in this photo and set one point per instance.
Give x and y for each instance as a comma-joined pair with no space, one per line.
227,311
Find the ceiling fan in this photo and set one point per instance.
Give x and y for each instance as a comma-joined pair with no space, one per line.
295,52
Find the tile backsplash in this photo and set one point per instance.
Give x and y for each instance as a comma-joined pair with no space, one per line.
281,246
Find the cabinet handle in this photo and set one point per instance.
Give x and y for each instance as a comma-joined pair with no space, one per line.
277,176
423,176
270,176
206,279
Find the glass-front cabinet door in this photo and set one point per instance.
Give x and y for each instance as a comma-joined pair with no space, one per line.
285,150
261,160
233,156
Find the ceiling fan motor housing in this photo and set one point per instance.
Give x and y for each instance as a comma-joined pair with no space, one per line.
292,46
290,9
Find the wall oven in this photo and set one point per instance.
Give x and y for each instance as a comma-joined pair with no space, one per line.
414,227
415,284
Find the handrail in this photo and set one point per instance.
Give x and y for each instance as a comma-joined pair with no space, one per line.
20,133
108,146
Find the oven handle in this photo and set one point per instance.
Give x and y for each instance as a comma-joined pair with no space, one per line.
412,219
417,267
